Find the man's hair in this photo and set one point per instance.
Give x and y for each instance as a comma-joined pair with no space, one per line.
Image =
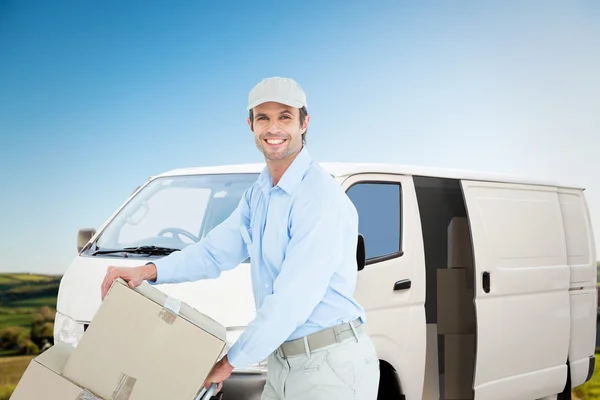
303,114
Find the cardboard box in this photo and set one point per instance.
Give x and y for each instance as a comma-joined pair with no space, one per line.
142,344
459,365
455,307
460,250
43,378
431,386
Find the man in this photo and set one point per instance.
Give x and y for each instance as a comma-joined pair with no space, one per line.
300,231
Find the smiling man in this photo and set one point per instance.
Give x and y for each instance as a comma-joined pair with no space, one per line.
300,230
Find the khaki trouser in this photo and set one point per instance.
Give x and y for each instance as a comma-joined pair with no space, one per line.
346,370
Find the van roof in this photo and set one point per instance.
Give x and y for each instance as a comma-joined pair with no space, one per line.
341,169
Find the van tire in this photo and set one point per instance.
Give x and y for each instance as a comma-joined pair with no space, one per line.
566,393
389,384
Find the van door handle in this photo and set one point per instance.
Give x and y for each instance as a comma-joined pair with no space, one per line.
486,281
402,285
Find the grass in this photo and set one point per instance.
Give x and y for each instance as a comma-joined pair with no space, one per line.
15,279
22,295
7,280
24,320
11,371
36,303
31,277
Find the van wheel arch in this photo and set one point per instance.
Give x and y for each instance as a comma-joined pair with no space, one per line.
389,382
566,393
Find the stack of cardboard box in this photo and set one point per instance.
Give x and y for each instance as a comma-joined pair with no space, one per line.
456,313
141,344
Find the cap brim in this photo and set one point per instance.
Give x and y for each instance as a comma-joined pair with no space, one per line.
291,103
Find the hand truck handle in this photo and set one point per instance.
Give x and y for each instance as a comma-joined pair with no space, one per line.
207,394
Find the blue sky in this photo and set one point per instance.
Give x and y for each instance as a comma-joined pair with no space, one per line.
97,96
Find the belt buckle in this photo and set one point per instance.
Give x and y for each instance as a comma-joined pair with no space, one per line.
281,352
337,333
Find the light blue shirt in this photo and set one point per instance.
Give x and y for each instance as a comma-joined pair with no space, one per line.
301,236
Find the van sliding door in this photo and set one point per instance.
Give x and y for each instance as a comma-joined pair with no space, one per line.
521,292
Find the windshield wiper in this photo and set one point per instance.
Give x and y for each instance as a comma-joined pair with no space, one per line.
149,250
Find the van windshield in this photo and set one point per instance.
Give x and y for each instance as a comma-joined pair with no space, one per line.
173,212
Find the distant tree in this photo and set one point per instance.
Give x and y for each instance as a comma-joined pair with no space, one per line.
42,328
27,347
9,337
17,338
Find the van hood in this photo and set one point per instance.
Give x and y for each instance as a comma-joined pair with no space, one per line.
228,299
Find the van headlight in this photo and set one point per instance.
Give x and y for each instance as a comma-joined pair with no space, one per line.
232,335
67,330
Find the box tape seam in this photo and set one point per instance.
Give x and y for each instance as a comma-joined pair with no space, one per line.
173,305
170,310
87,395
124,387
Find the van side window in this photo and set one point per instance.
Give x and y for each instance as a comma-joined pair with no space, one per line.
379,217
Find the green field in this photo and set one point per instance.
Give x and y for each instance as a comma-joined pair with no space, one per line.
31,277
7,280
24,320
22,295
38,302
11,370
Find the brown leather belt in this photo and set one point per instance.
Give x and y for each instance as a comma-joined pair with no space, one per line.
320,339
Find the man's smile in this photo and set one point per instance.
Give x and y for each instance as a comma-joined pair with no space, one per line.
275,142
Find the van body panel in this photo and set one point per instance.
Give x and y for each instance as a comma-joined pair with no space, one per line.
84,277
523,320
581,258
579,238
534,385
583,333
82,280
396,318
580,368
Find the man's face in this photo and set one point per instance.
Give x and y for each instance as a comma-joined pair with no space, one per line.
277,130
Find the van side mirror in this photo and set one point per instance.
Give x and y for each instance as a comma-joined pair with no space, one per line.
361,258
83,237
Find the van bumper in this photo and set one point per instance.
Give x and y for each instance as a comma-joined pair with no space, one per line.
243,386
591,368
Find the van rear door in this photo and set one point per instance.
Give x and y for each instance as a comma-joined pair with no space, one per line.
521,292
581,259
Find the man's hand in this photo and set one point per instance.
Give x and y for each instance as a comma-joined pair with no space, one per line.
218,374
134,276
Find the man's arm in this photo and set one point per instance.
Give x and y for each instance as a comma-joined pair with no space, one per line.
221,250
314,252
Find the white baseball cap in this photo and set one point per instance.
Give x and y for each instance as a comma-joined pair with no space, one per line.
281,90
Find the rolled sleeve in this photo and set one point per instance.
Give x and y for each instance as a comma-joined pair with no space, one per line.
238,359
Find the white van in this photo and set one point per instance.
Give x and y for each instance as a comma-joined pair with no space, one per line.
475,286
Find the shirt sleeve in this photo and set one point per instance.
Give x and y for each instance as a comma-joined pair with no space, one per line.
222,249
314,252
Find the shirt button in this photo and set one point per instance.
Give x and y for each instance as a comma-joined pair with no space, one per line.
266,285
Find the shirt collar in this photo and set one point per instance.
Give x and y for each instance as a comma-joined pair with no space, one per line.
291,177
